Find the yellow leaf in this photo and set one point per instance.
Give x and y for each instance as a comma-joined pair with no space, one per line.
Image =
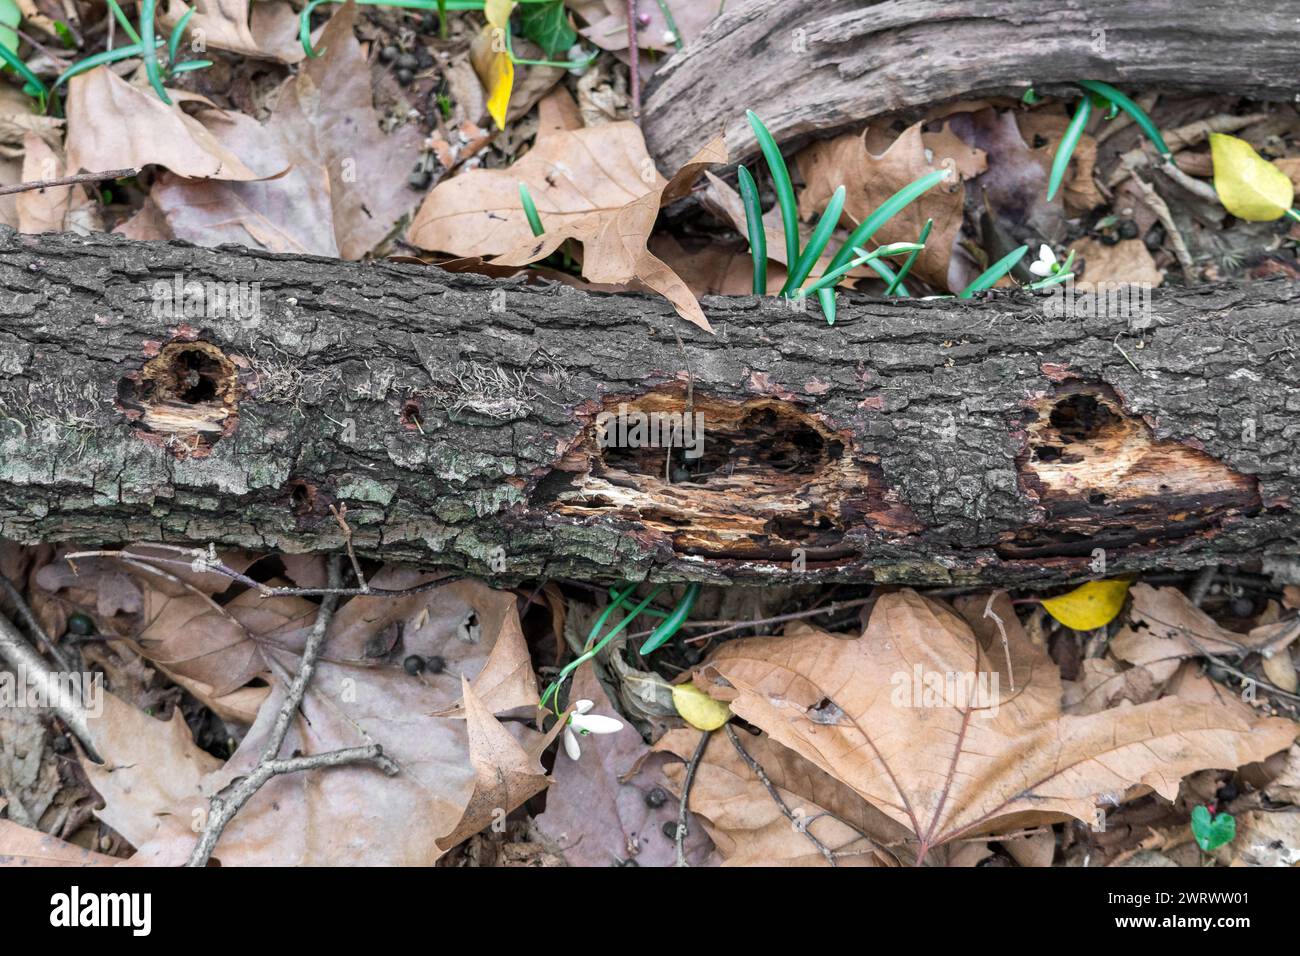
1089,606
498,11
495,70
1249,186
699,709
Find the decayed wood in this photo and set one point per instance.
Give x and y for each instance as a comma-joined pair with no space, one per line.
812,68
461,421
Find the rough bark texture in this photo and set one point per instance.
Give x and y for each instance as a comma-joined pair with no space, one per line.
811,68
938,442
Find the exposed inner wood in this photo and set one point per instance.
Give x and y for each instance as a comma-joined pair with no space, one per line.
1105,480
184,398
765,479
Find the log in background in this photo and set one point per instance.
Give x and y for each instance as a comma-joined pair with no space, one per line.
811,69
917,442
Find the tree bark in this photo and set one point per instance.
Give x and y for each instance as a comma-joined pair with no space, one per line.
813,68
458,419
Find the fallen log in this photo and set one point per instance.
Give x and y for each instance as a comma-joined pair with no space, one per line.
814,68
157,391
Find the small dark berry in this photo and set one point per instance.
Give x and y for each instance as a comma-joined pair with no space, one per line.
428,22
388,54
407,62
435,664
418,179
1227,793
405,77
1155,237
81,625
1128,229
1109,239
670,830
656,798
1242,607
423,58
413,664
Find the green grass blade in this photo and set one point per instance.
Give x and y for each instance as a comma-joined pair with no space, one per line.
886,211
121,18
23,70
174,42
99,59
893,279
530,210
817,242
190,65
826,299
784,187
1139,115
833,277
148,49
895,282
994,272
1065,148
673,622
754,225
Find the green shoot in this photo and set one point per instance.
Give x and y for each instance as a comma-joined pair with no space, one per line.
1065,148
23,70
821,236
530,210
673,622
832,277
754,223
826,299
148,49
886,211
784,187
891,278
897,281
1139,115
989,277
174,42
442,19
122,20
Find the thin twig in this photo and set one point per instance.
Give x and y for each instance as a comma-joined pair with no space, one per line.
778,619
30,669
341,515
763,778
680,834
33,625
1161,209
68,180
634,56
224,805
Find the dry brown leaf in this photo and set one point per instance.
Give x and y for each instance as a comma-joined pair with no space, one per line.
998,761
224,25
1105,684
1037,848
1165,627
114,125
1080,192
1264,838
361,694
20,846
596,810
607,22
338,197
748,826
597,186
148,765
870,179
1127,261
57,208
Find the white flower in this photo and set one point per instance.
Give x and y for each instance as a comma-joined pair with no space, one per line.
1045,265
670,37
581,722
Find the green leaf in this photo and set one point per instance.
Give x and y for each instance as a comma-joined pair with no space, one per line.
1065,148
1213,833
547,25
754,224
10,17
1249,186
989,277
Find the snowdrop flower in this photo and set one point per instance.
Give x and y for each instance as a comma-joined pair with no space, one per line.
1045,265
581,722
669,37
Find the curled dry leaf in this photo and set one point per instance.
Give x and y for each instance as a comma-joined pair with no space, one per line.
271,34
325,170
114,125
597,186
870,179
362,694
962,755
58,208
